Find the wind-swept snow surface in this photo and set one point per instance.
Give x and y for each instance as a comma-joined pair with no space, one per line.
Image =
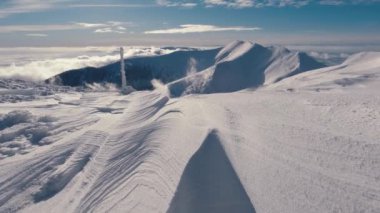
308,143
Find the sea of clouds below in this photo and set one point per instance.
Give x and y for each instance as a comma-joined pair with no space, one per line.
38,64
41,63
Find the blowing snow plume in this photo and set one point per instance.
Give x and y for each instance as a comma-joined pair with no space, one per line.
105,87
160,87
192,66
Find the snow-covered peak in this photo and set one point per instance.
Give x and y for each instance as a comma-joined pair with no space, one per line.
240,65
234,50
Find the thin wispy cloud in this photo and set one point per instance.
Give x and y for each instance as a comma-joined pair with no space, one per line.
281,3
27,6
12,7
157,3
343,2
200,28
255,3
111,5
110,30
331,2
38,28
36,35
110,26
230,3
90,25
226,3
170,3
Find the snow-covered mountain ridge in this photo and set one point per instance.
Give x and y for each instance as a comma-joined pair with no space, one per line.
359,70
243,63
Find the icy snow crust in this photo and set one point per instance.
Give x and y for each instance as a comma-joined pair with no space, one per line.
307,143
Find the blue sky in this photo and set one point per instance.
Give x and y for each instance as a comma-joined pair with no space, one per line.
188,22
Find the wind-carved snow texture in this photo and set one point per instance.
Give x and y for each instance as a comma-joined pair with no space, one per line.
306,143
73,165
20,130
13,91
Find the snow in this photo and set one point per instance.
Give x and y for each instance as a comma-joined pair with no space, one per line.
241,65
307,143
359,70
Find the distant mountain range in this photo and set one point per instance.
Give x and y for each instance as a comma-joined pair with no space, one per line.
238,65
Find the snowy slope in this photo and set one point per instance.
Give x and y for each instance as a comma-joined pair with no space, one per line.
359,70
241,65
291,146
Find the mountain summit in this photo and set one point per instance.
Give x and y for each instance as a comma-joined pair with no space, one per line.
240,65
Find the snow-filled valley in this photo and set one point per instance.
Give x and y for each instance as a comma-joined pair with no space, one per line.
250,129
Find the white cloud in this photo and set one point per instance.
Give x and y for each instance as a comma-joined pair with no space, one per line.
256,3
199,28
42,63
121,28
36,35
11,7
111,5
27,6
230,3
108,30
90,25
38,28
113,25
43,69
364,1
331,2
280,3
171,3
